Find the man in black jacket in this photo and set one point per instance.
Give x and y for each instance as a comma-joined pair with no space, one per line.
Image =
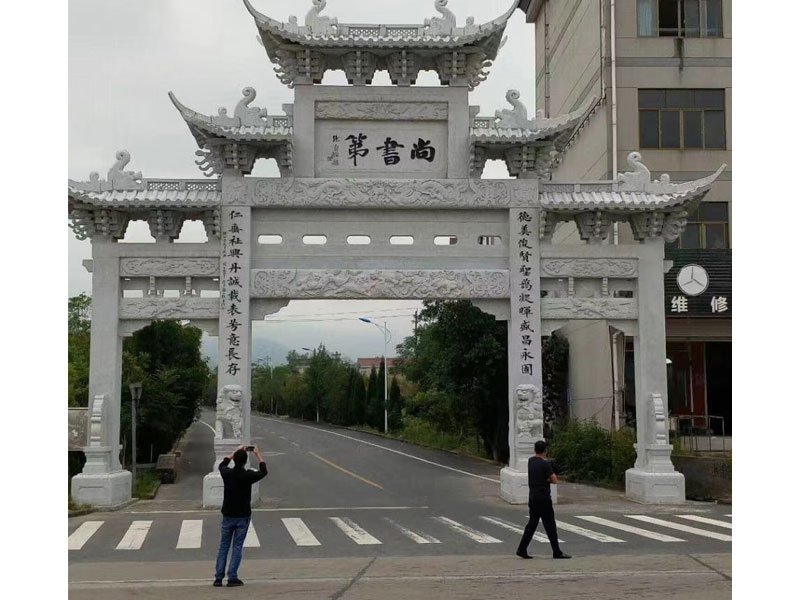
236,511
540,476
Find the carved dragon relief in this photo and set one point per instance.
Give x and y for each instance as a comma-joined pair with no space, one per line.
295,283
382,111
169,267
391,193
590,308
158,307
589,267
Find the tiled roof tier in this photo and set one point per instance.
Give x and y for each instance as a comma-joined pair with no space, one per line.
526,145
238,141
304,53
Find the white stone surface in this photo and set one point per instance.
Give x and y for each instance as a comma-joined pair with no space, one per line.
102,490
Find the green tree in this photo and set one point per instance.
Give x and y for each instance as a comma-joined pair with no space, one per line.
555,380
395,406
165,357
78,330
359,399
372,416
458,357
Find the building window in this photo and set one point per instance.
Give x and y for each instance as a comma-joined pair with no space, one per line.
680,18
682,119
706,228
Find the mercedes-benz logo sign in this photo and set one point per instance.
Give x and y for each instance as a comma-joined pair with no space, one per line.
693,280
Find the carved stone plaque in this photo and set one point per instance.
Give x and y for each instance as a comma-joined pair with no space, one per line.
422,284
169,267
589,267
590,308
382,111
169,308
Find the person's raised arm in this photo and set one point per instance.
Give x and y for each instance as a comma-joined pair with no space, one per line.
262,466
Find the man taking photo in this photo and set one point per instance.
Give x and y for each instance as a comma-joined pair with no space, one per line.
236,511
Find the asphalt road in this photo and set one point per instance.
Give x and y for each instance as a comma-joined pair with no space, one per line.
334,493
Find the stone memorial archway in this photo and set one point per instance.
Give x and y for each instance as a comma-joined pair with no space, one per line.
380,162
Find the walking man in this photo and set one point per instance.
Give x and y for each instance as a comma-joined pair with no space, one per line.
236,511
540,476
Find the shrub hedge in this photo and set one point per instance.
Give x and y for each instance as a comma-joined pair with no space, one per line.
584,451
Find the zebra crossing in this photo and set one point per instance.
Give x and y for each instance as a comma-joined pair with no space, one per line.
431,529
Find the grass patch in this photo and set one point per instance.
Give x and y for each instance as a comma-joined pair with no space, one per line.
147,483
421,433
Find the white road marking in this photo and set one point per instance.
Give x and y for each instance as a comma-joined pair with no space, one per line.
635,530
473,534
706,520
301,534
251,539
430,462
420,538
135,536
354,532
209,426
82,534
191,534
539,537
679,527
729,515
593,535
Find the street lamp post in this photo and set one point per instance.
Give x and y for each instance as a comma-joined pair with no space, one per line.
387,336
136,394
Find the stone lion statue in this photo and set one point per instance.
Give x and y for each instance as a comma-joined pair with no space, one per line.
229,412
530,414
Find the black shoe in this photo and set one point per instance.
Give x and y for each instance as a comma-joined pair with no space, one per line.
523,554
235,582
218,583
562,555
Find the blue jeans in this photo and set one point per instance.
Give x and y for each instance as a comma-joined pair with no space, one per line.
233,529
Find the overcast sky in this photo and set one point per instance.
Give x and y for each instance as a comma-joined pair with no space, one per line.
125,55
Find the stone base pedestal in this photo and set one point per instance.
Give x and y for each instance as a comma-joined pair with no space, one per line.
214,491
655,488
213,487
514,486
103,490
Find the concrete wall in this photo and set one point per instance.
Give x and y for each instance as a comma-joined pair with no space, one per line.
591,393
707,478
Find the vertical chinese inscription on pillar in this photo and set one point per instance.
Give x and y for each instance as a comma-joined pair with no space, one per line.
526,300
233,292
524,369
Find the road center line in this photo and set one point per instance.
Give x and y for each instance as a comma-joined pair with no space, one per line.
343,470
430,462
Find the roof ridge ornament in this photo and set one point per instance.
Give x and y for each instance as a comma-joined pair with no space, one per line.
316,24
445,25
118,178
639,180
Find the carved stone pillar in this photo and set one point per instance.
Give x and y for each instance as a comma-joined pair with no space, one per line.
653,478
103,482
525,422
233,375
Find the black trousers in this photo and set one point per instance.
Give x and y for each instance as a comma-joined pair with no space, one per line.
540,508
